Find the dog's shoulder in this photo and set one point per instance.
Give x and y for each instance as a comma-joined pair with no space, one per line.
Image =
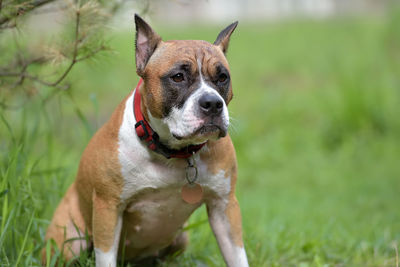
100,160
219,155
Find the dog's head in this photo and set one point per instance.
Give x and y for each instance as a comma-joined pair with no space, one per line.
187,85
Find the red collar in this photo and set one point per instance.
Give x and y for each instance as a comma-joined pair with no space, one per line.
147,135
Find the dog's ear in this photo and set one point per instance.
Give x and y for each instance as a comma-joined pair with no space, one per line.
223,37
146,43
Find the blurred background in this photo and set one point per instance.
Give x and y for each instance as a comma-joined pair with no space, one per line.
315,119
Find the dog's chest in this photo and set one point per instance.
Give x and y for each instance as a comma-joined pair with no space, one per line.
155,216
163,183
155,211
141,172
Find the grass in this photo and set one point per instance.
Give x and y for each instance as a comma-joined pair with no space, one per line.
316,128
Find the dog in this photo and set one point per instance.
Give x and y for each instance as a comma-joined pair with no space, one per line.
164,152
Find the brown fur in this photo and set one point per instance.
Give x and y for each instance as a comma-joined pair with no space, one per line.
221,156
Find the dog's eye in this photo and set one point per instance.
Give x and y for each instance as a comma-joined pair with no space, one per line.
178,78
222,77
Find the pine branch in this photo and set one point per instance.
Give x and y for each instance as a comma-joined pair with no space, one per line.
25,8
74,53
23,74
88,19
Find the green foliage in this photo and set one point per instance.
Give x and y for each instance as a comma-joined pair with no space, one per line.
315,124
29,62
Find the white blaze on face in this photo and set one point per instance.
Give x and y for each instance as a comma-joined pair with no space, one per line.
185,121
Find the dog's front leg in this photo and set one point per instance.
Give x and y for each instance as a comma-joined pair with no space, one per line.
225,220
107,222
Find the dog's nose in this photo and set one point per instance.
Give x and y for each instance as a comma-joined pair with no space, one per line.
211,104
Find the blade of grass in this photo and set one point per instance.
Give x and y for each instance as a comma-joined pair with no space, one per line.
4,231
22,249
4,212
48,252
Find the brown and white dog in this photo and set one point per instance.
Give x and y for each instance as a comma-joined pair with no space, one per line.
163,153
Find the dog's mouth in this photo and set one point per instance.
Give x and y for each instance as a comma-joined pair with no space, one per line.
205,131
210,129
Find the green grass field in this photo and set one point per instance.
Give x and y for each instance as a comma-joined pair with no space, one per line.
315,122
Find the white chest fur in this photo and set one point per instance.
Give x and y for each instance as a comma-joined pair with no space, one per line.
141,171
